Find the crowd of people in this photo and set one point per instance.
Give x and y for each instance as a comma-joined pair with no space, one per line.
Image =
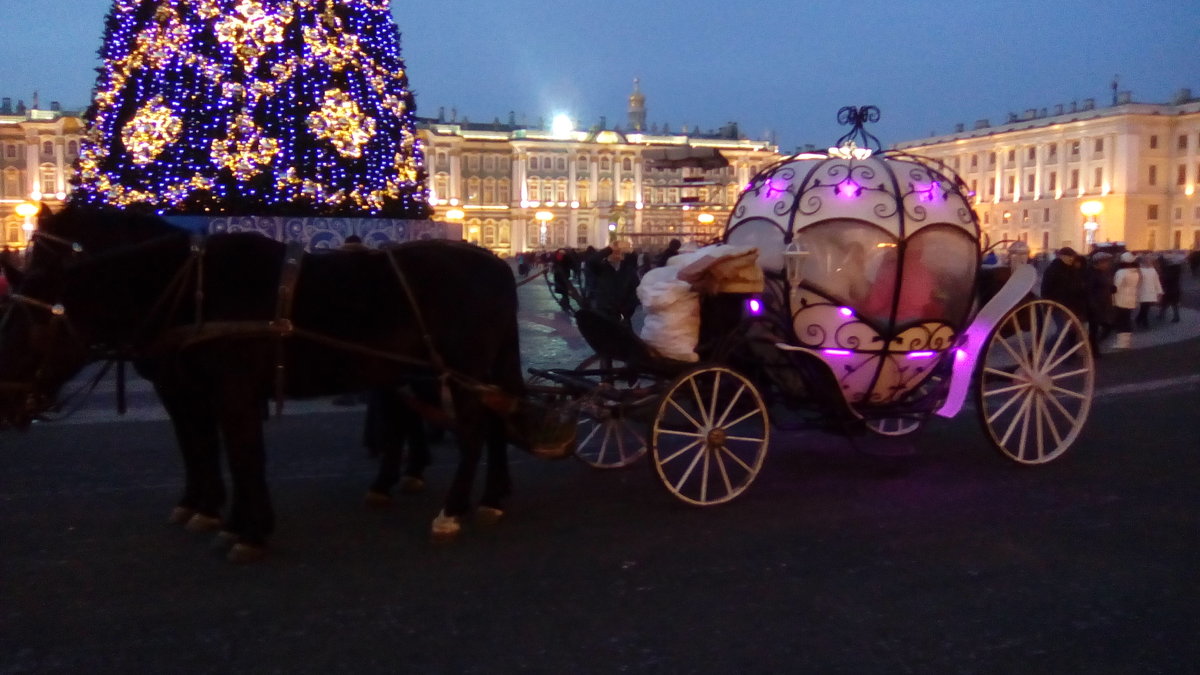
1116,294
606,278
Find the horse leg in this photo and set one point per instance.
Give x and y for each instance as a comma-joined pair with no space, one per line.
196,433
498,485
418,451
470,421
383,436
252,519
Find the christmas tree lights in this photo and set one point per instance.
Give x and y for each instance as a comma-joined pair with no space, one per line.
253,107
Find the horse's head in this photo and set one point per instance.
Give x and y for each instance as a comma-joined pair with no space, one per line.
39,347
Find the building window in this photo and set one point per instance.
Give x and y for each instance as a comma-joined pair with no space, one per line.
1030,180
1052,183
473,190
561,163
581,192
73,148
1032,154
1052,151
47,148
534,186
1099,146
627,164
1074,180
581,164
1098,178
560,190
991,159
49,180
533,163
974,162
502,187
1012,156
441,183
489,191
1074,149
1045,215
1152,212
1152,175
1153,142
1177,214
1024,215
1181,175
489,162
10,150
1045,240
548,190
1009,184
1182,144
974,187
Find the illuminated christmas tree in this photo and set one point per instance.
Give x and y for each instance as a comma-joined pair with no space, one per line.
253,107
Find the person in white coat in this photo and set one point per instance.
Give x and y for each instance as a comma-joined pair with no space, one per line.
1149,290
1125,299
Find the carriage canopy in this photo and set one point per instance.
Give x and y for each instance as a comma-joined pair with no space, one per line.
880,250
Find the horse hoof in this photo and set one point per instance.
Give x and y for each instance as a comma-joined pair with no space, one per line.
488,515
223,541
202,523
244,554
411,485
445,528
180,515
377,500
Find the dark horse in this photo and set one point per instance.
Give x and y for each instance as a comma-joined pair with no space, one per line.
223,324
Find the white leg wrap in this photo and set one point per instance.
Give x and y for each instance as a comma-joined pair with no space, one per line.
445,526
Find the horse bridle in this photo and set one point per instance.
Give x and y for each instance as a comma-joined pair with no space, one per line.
36,391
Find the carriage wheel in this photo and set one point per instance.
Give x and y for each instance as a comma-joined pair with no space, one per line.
895,426
1036,380
710,436
608,435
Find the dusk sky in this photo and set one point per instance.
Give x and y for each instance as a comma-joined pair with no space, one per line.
774,67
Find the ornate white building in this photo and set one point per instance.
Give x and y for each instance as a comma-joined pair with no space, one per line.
519,189
1082,174
37,148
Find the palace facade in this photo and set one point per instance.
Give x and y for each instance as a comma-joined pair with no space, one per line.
1075,175
1083,174
37,149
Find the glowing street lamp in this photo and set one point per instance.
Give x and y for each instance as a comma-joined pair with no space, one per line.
1090,210
706,218
543,217
27,210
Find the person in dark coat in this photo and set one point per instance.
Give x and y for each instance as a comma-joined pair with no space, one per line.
1065,282
1172,287
614,280
1099,300
669,252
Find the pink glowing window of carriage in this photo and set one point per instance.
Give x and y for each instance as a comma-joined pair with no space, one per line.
856,265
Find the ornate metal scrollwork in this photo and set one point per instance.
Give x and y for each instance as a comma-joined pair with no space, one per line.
857,118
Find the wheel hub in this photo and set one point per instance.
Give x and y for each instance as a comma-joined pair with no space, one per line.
716,437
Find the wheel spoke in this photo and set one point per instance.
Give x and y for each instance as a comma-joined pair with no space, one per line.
729,408
747,416
999,411
704,474
1019,357
684,449
699,403
1005,390
1020,415
745,438
712,405
608,434
1049,417
698,425
1070,417
691,467
1072,373
1064,357
726,451
1068,392
1003,373
724,472
685,434
591,434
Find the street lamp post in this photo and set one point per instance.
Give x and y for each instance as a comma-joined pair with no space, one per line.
27,210
543,217
1090,210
